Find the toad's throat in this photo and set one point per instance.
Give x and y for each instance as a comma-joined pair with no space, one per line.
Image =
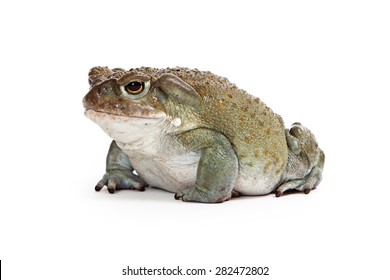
129,130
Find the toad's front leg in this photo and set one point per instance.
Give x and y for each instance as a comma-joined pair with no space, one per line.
119,172
217,169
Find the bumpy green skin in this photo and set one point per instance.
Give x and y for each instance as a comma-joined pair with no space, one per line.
242,145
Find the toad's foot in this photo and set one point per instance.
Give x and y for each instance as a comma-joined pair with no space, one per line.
120,180
307,183
196,194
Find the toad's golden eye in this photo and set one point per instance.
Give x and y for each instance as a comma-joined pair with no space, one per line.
135,87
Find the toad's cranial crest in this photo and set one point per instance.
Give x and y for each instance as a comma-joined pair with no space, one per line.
196,134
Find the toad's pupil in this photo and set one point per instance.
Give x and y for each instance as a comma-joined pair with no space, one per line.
134,87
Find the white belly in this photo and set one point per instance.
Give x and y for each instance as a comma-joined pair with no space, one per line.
171,172
175,172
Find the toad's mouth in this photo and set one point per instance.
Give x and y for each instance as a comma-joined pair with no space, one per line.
98,116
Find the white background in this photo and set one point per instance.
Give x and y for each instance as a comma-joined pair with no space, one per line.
323,63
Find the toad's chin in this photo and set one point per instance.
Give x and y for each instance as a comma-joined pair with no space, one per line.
121,128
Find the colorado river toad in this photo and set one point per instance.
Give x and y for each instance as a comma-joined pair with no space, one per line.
196,134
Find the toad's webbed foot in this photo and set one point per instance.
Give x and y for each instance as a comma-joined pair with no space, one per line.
120,180
196,194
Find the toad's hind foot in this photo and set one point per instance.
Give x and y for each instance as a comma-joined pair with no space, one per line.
307,183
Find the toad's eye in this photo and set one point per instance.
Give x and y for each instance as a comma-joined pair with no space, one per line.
135,87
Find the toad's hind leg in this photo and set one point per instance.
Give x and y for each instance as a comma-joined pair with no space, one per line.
307,183
305,161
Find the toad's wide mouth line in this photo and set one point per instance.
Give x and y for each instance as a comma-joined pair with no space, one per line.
88,112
